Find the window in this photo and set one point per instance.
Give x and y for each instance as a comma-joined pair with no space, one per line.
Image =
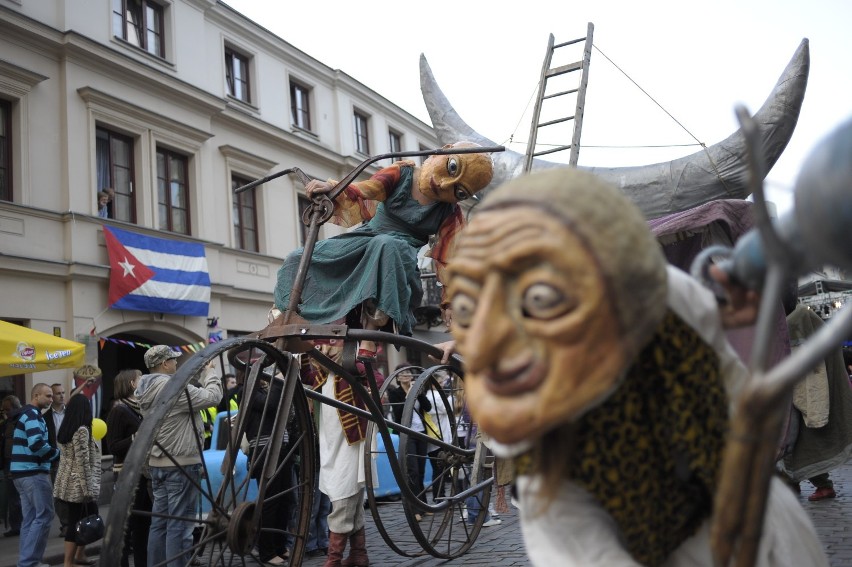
300,108
245,216
5,150
140,22
172,191
304,203
114,157
237,75
362,139
394,141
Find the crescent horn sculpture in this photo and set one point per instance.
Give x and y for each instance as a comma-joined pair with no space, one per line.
717,172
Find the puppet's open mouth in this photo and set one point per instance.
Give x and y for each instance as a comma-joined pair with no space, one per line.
515,376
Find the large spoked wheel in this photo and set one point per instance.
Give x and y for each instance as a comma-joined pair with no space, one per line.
254,502
383,494
449,463
460,478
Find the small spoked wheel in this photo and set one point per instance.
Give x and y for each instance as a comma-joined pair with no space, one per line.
441,468
255,488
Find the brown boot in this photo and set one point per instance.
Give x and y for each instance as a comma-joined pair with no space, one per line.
336,546
357,550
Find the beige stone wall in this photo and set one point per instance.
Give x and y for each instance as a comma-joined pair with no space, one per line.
65,73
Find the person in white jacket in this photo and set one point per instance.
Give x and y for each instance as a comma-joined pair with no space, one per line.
174,487
440,420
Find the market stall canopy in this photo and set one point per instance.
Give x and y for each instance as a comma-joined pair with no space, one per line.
24,350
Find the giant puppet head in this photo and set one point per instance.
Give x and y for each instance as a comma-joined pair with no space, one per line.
455,177
555,286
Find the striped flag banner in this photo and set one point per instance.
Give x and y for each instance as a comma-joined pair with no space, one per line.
156,274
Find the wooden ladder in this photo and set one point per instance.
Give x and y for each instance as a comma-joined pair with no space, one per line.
548,73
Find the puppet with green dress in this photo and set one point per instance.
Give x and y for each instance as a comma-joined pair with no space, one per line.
373,268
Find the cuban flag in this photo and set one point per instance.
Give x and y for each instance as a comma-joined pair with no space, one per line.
156,274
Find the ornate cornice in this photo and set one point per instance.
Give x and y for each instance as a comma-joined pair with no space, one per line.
102,101
16,76
245,157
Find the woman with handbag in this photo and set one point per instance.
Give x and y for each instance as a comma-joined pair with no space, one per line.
122,423
78,480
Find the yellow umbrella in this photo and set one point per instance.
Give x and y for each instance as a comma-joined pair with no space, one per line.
24,350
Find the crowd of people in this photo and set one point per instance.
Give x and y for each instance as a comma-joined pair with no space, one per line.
51,464
51,467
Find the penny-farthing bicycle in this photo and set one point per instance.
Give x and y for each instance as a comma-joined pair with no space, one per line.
234,516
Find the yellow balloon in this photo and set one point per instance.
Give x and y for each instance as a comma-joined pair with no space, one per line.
99,428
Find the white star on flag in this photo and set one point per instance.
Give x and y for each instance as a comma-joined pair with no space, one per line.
128,267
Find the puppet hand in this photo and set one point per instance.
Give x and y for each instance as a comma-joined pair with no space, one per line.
740,307
447,349
405,162
317,187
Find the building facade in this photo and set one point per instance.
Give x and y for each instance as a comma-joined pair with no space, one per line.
166,105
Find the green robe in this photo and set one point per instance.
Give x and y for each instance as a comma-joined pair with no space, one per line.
377,260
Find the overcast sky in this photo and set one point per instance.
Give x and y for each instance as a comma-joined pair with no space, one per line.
697,60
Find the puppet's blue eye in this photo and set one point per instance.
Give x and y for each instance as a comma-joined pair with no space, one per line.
452,166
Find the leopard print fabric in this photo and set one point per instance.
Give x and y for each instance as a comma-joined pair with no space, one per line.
79,476
650,454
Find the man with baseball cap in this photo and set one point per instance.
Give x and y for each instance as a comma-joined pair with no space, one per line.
157,355
175,495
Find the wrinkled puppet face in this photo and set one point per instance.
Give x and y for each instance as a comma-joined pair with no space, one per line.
332,348
532,321
455,177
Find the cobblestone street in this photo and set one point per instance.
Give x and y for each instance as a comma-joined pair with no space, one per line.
502,545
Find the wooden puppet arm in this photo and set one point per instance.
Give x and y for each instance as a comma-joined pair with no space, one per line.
357,203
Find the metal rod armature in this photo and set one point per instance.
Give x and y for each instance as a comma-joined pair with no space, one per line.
350,177
303,177
774,249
